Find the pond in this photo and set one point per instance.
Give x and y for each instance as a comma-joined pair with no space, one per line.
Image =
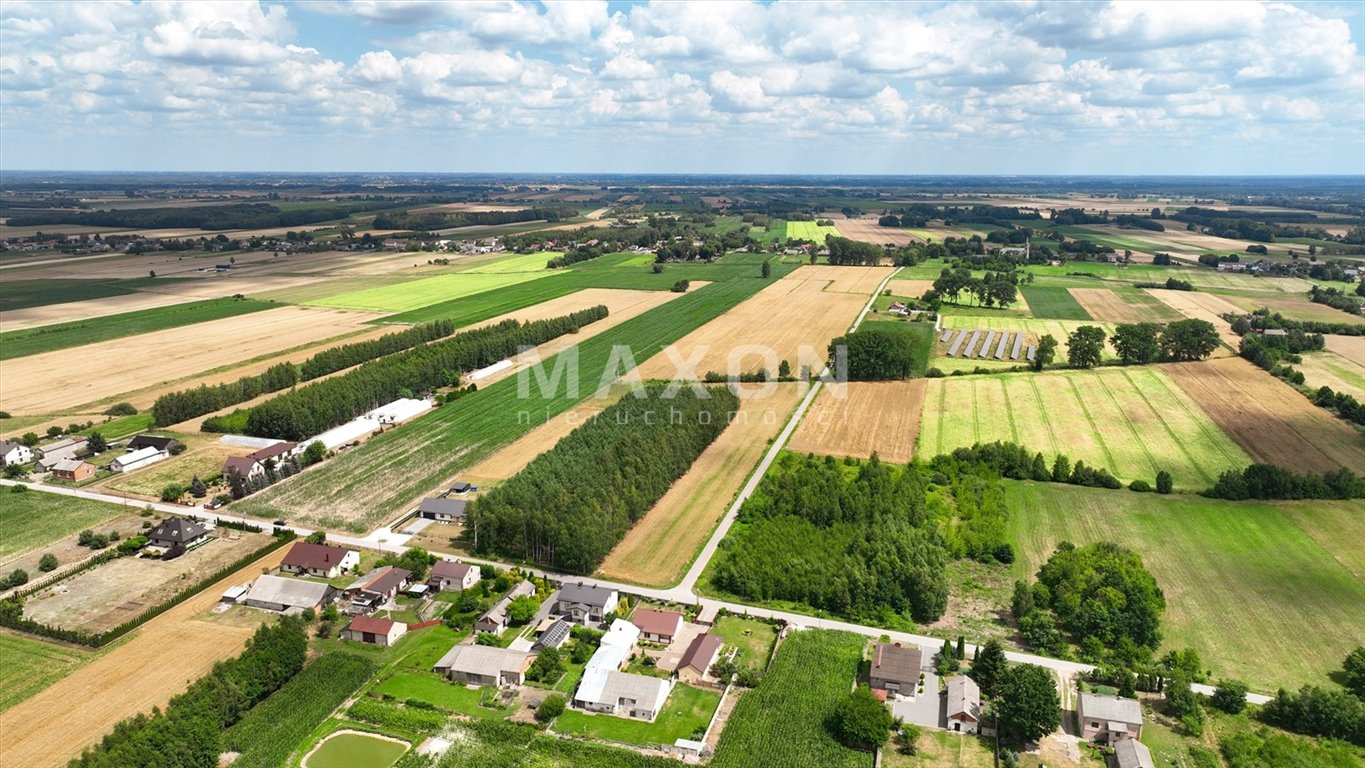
353,749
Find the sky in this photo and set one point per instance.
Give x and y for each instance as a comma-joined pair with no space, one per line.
1224,87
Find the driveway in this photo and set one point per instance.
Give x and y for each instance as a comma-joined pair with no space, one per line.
671,656
927,709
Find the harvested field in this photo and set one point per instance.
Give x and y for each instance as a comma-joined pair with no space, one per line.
54,726
660,546
1202,306
64,547
910,289
1295,309
28,665
52,381
1269,419
1332,370
858,418
803,310
1132,421
869,231
1350,347
1103,304
109,594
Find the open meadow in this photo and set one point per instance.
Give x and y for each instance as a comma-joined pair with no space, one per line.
859,418
1243,580
809,230
1053,303
1133,421
1328,369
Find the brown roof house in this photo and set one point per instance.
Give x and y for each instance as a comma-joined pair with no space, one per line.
451,576
375,588
1109,719
367,629
244,467
895,668
279,451
701,653
319,560
657,626
964,705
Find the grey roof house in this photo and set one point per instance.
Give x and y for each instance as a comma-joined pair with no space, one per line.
1109,719
586,603
495,618
895,668
177,532
444,510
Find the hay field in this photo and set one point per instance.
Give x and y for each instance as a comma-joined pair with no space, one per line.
910,289
1294,308
1350,347
809,230
1103,304
860,417
50,382
1202,306
28,665
869,231
1272,422
807,308
1132,421
616,300
1332,370
660,546
430,290
54,726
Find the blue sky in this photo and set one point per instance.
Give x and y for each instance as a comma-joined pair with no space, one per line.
716,87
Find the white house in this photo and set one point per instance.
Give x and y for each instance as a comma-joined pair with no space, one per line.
448,575
138,459
12,453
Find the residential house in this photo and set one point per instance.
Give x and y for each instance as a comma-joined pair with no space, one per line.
605,689
367,629
964,705
177,533
485,665
1109,719
701,653
1131,753
137,459
453,576
138,442
74,470
658,626
278,452
377,587
12,453
553,633
895,668
278,593
443,510
321,560
244,467
586,603
495,619
68,448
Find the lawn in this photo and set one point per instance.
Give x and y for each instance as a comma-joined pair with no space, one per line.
32,519
685,716
28,665
1242,579
424,292
437,692
122,426
1053,303
1133,421
940,749
784,718
809,230
753,638
48,338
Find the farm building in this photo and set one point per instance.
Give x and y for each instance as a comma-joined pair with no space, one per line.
138,442
484,665
461,488
443,510
586,603
1109,719
376,588
279,451
321,560
74,470
701,653
12,453
277,593
605,689
495,618
362,426
177,533
50,454
234,595
657,626
964,705
553,633
1131,753
244,467
895,669
452,576
367,629
138,459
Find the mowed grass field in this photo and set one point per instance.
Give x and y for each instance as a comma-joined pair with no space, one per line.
424,292
1132,421
1053,303
809,230
1251,585
525,262
28,665
33,519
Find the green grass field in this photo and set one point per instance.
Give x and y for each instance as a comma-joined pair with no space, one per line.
33,519
686,714
424,292
28,665
23,294
809,230
1133,421
47,338
1257,595
368,484
524,262
433,690
784,718
123,426
1053,303
753,638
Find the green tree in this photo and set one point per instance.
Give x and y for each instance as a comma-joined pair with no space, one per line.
520,610
784,368
1027,705
1188,340
767,270
861,721
1046,352
1163,482
908,736
1021,604
1353,670
96,442
1230,696
989,667
29,439
550,708
48,562
1138,343
1085,346
960,652
314,453
317,537
547,667
1183,704
197,488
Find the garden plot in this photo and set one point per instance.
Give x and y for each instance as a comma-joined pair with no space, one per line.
862,417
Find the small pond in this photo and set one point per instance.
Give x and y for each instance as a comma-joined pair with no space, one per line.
352,749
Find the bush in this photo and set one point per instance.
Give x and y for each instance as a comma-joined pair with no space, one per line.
550,708
862,721
681,286
172,492
1164,483
47,563
1140,486
121,409
1230,696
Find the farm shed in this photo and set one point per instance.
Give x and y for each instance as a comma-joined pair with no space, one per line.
964,705
277,593
1131,753
554,633
450,575
138,459
895,668
367,629
138,442
484,665
50,454
1109,719
377,587
233,594
321,560
623,694
393,413
586,603
657,626
74,470
444,510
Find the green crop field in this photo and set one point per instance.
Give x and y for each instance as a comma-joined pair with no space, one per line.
524,262
1132,421
33,519
1053,303
366,485
809,230
47,338
28,665
23,294
424,292
784,718
687,712
1258,588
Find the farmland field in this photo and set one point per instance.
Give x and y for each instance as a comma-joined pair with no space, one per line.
1053,303
1240,578
659,547
784,718
24,294
862,417
809,230
1104,304
869,231
1202,306
426,291
505,264
1293,308
28,665
1132,421
1269,419
1332,370
35,519
1350,347
687,711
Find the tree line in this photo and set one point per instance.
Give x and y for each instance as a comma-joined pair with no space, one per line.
570,506
876,352
423,222
207,217
1276,352
309,410
846,252
175,407
1267,481
992,289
